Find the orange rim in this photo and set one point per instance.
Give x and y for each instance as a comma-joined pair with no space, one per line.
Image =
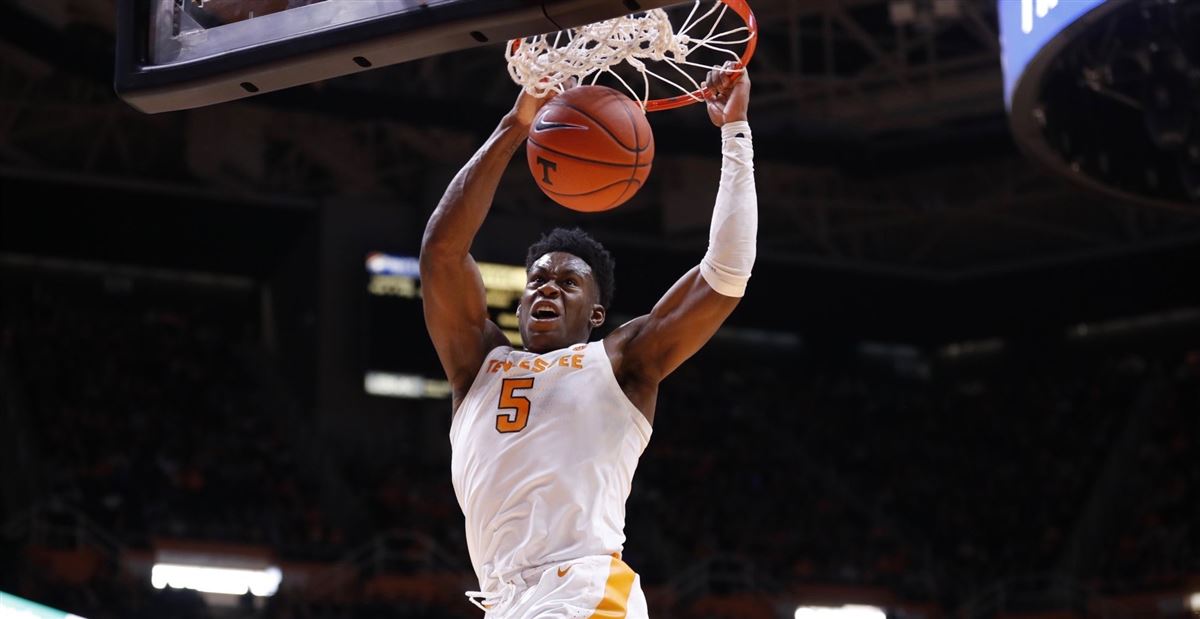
742,8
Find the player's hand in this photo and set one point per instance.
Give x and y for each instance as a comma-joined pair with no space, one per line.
527,106
727,94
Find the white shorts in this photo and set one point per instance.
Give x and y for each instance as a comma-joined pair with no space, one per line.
601,586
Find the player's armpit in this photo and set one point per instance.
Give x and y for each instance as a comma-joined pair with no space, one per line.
686,317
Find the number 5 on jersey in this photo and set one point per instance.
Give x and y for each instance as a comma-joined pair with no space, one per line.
519,404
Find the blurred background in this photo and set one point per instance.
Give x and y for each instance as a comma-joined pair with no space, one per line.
962,382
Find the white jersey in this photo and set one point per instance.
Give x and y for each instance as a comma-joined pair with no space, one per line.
544,451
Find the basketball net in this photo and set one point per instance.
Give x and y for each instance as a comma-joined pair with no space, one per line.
648,42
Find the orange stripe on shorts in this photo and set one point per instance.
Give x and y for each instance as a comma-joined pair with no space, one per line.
616,591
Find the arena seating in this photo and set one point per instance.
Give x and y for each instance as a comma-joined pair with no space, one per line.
767,473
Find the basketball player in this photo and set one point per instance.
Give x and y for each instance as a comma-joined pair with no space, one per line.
545,440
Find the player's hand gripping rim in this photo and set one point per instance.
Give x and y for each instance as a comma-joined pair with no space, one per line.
727,93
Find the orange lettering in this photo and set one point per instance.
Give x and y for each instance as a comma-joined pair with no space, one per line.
524,364
577,361
540,364
564,360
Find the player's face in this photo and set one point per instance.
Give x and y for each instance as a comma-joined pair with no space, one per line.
560,305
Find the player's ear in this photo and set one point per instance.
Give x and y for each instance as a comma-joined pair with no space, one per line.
598,315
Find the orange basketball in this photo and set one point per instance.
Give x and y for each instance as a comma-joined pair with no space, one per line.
590,148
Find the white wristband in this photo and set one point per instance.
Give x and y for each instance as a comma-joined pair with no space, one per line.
732,237
735,129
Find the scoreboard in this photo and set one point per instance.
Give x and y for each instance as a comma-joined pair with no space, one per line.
1027,30
400,359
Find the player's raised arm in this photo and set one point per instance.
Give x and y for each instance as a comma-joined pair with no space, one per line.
652,346
451,286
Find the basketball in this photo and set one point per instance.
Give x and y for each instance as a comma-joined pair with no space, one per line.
590,148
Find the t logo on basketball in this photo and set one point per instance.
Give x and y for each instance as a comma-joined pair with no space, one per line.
601,144
547,165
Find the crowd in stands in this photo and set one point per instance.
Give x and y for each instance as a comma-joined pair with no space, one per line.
1158,544
775,469
934,486
146,418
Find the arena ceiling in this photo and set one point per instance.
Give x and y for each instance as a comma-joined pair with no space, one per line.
883,143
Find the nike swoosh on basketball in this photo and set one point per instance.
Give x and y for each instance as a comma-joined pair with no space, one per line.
562,571
540,125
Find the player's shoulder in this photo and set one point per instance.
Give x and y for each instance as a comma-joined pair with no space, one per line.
499,350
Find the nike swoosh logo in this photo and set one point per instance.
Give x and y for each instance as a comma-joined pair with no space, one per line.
540,125
563,571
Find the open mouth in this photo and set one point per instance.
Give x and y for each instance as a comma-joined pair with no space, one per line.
544,310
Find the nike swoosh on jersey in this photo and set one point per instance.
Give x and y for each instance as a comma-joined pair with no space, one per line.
562,571
540,125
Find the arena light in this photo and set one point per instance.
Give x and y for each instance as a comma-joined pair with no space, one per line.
13,607
1135,324
1194,602
379,263
847,611
261,583
398,385
971,348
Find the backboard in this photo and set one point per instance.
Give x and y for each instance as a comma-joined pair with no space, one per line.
178,54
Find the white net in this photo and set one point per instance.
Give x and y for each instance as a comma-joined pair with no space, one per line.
647,42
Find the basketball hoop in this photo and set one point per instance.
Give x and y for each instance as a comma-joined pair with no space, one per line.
646,45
